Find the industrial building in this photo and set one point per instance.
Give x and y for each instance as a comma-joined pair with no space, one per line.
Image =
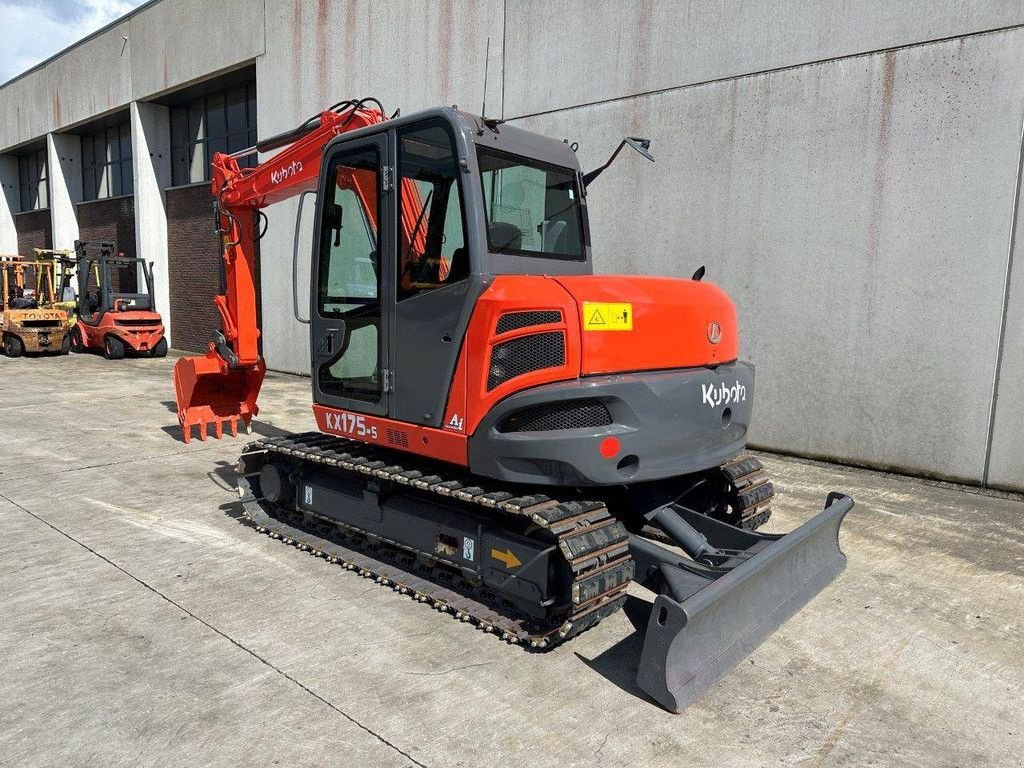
849,173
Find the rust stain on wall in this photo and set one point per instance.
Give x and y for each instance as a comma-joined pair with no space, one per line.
882,148
351,34
323,20
444,29
56,108
296,54
642,56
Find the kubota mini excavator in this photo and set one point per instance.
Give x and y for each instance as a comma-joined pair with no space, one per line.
503,434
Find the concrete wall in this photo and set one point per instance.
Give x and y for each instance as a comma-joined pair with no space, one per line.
10,203
1006,466
170,44
848,171
64,170
151,172
823,198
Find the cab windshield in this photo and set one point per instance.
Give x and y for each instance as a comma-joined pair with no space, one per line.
532,208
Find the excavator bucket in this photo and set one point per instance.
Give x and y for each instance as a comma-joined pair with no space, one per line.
707,619
209,393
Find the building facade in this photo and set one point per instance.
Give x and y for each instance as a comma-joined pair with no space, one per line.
849,172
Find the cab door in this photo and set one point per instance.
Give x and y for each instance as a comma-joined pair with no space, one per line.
352,266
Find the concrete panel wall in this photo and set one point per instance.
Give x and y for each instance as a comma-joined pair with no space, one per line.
10,203
573,52
169,44
1006,464
858,211
186,40
64,164
409,55
151,171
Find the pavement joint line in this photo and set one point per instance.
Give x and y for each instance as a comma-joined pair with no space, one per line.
220,632
134,460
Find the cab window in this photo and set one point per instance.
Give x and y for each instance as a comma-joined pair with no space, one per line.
431,226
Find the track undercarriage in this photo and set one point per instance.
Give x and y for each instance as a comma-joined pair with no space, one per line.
530,568
536,570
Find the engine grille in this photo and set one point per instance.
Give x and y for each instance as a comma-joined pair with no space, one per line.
527,353
513,321
555,417
136,323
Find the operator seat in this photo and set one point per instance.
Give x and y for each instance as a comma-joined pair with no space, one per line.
505,236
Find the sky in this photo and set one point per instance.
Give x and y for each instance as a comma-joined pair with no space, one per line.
34,30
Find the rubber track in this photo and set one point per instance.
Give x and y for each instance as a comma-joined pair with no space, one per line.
592,542
752,491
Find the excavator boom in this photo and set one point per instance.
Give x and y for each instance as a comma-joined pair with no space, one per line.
221,387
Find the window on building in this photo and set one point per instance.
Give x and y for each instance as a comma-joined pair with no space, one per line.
107,163
35,193
224,121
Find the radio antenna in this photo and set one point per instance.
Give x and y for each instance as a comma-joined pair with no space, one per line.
487,62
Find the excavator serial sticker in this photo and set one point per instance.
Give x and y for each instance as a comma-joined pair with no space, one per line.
602,316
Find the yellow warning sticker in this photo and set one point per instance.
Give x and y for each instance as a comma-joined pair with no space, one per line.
602,316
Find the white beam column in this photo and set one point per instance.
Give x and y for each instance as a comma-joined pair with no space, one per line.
64,167
151,168
10,203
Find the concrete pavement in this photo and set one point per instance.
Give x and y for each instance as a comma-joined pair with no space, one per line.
142,623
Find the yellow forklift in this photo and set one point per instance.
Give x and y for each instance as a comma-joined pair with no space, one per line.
30,320
63,278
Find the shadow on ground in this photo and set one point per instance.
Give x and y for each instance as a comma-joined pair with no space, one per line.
619,663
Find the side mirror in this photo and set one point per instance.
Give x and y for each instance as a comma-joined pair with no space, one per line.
643,146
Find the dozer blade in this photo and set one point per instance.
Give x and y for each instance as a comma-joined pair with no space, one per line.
209,393
708,619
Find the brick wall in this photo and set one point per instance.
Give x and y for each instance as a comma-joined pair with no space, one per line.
112,220
194,267
33,229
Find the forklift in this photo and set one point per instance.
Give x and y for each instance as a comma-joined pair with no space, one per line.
116,308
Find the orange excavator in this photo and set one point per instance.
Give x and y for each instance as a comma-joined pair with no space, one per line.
502,433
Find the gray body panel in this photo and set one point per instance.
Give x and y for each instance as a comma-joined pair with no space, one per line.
424,362
662,418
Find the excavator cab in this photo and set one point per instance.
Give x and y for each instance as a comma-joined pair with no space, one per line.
491,411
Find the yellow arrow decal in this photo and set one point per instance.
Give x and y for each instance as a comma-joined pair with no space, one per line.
508,557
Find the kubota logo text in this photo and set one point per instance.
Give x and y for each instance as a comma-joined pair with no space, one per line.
723,394
282,174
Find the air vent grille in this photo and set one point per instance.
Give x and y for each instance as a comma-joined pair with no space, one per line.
525,354
397,438
513,321
555,417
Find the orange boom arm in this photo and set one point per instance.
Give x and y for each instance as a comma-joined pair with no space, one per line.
222,385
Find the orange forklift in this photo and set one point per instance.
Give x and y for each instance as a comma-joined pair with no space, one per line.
116,308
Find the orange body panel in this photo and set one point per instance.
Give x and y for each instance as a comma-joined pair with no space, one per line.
424,441
140,338
673,323
508,293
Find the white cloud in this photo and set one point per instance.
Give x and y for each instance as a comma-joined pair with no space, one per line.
34,30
